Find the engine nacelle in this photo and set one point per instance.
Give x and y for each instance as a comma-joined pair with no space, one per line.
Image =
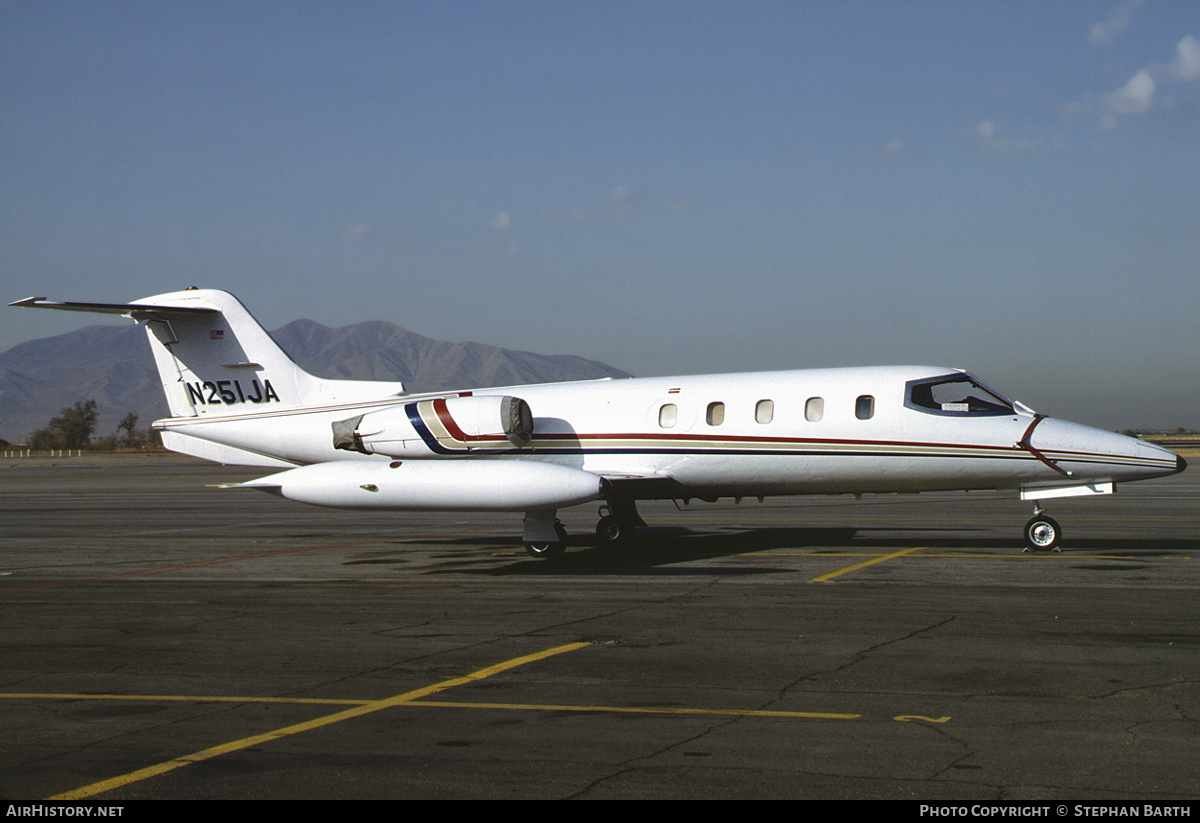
448,485
442,425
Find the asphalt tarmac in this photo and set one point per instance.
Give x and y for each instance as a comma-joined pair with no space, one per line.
162,638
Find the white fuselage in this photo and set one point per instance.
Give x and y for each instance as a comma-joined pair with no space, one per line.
769,433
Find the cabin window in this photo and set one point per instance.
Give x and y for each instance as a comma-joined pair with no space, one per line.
716,414
814,409
667,415
764,412
864,407
955,394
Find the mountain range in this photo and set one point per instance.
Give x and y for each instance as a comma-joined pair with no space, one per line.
113,366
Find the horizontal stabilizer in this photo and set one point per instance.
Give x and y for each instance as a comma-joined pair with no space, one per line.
127,309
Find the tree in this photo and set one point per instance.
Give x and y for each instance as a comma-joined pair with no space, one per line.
73,427
132,437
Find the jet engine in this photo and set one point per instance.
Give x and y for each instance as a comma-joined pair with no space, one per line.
441,425
449,485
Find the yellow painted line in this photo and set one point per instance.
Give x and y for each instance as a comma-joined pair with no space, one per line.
431,703
826,577
179,698
635,710
319,701
965,555
347,714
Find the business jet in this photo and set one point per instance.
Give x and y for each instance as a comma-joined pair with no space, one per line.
235,397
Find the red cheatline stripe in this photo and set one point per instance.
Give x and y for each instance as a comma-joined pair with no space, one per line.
443,413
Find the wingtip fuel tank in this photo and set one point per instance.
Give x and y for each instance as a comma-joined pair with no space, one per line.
477,485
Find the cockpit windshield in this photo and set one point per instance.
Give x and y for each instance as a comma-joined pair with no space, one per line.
956,394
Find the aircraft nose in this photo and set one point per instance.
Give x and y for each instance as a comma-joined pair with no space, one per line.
1166,454
1090,453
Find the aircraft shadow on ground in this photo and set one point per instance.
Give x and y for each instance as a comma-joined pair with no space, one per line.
661,548
658,547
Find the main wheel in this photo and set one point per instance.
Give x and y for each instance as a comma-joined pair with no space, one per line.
610,530
545,550
1042,533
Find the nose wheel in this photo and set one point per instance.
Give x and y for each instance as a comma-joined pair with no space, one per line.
1042,533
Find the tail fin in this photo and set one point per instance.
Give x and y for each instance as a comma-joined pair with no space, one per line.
215,360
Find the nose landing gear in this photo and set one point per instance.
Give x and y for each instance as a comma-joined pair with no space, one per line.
1042,533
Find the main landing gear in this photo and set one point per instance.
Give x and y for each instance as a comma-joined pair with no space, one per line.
1042,533
619,521
545,537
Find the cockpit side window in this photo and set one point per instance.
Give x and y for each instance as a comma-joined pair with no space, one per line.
955,394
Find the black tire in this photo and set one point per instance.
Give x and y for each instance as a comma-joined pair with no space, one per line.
610,530
1042,533
545,550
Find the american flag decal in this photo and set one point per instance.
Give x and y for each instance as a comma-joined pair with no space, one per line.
216,334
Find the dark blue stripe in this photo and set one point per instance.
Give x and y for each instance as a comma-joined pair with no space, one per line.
414,417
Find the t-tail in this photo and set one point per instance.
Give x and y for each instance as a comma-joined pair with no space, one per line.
216,360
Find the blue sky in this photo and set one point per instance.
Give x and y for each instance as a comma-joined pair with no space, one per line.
1006,187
